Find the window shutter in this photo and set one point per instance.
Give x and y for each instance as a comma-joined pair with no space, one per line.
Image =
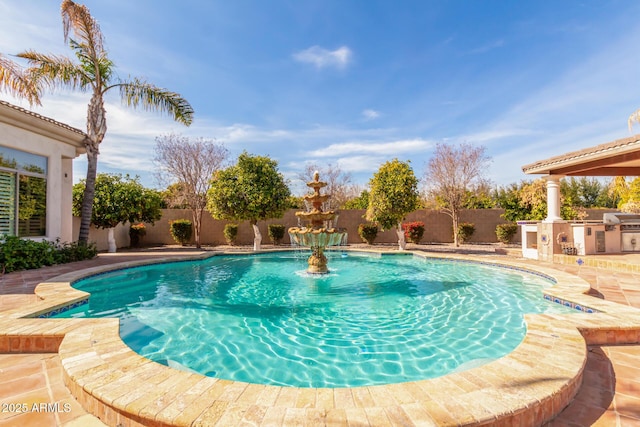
7,203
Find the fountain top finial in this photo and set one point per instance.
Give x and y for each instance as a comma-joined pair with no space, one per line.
316,176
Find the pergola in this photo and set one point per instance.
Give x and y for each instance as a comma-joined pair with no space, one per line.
616,158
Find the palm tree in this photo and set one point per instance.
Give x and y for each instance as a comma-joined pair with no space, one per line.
94,72
14,81
635,117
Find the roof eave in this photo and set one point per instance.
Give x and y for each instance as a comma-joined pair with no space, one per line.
600,152
33,122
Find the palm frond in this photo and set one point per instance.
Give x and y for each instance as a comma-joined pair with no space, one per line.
17,83
137,93
99,69
635,117
77,18
56,71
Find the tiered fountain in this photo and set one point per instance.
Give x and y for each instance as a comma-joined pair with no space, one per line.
315,234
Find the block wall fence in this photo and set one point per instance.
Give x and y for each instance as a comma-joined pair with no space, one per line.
438,227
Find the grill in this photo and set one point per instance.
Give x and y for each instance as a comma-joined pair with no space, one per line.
629,224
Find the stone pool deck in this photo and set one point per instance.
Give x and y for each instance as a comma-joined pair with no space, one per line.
527,387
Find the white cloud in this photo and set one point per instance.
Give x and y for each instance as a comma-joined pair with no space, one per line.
493,135
370,114
379,148
363,163
321,57
32,26
487,47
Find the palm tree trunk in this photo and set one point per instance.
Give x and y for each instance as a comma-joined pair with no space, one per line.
96,129
87,196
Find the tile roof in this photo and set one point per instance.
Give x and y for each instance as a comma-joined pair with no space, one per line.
602,151
41,117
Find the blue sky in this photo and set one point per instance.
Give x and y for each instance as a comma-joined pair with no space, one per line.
356,83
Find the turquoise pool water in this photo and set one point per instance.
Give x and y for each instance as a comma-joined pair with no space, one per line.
373,320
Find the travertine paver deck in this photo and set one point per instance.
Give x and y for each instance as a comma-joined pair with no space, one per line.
368,406
610,394
35,379
33,394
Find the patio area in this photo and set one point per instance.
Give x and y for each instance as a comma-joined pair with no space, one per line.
610,393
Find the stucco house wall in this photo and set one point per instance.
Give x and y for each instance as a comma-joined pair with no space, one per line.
24,130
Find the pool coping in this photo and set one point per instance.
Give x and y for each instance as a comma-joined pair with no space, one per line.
529,386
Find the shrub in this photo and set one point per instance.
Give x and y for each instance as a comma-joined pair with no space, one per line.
136,232
23,254
230,233
71,252
181,230
368,232
465,230
413,231
276,233
505,232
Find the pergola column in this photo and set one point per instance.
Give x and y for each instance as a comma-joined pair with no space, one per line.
553,198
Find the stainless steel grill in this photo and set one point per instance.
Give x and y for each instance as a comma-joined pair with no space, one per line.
629,224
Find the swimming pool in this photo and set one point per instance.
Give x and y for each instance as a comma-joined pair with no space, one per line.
373,320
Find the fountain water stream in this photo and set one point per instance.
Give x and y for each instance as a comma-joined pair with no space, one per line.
315,234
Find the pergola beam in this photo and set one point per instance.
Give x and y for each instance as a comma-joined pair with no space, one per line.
604,171
603,166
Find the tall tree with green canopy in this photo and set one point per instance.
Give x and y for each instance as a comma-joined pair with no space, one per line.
358,202
251,190
119,200
528,201
393,194
93,72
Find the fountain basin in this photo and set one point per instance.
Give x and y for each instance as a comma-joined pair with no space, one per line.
314,237
317,239
316,216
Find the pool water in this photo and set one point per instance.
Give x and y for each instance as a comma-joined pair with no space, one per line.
372,320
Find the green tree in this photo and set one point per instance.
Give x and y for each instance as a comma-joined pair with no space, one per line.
360,202
508,198
296,202
587,192
394,194
479,197
528,201
118,200
251,190
93,72
173,196
606,198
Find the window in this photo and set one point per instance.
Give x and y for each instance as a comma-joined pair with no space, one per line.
23,193
7,203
